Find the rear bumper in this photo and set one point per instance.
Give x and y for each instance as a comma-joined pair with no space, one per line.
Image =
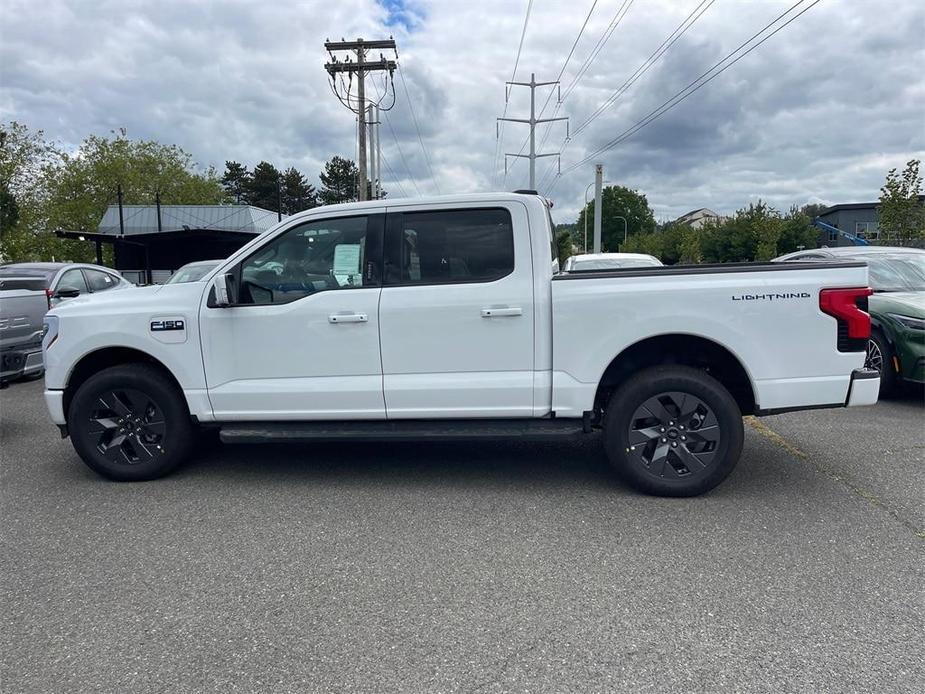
864,388
17,363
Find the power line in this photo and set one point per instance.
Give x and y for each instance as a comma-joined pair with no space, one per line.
558,77
402,155
592,56
401,188
698,83
605,37
414,119
649,62
663,48
520,47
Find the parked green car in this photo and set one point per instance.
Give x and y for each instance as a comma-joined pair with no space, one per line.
897,309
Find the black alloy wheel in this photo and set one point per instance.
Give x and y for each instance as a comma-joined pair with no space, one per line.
673,435
129,426
673,431
131,422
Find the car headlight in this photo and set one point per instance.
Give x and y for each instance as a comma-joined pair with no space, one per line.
49,331
908,321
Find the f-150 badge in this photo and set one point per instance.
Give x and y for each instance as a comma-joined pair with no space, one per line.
162,325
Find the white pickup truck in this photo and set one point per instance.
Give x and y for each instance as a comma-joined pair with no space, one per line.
447,317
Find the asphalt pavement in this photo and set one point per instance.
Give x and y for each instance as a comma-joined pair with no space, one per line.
478,567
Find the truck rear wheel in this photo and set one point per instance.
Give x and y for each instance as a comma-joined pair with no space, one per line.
130,423
673,431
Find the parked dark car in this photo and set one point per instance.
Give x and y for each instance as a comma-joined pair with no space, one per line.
897,308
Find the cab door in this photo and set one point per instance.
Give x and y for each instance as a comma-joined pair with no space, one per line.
456,314
302,340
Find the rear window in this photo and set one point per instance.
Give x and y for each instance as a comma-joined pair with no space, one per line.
450,246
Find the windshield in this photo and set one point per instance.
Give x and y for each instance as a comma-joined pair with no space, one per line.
19,271
897,273
192,273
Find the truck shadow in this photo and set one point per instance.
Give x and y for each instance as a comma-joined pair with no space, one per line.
573,462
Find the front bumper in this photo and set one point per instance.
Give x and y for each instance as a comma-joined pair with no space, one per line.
54,401
864,388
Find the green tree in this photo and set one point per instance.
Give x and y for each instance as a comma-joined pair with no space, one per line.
86,182
338,181
297,193
563,246
617,202
902,213
797,231
262,188
751,234
235,181
689,252
24,155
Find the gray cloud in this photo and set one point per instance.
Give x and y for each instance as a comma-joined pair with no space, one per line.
820,112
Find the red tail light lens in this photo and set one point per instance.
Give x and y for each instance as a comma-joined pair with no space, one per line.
48,294
843,304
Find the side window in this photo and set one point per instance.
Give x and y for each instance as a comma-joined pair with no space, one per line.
100,281
310,258
73,279
450,246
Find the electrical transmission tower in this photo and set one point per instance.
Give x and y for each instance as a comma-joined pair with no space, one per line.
358,101
533,120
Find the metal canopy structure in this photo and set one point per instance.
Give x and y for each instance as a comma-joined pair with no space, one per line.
149,239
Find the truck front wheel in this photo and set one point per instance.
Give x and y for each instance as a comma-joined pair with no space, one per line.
673,431
130,423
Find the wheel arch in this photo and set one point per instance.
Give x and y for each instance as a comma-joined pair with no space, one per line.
683,349
104,358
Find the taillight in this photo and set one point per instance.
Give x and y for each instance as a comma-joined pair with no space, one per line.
848,306
48,294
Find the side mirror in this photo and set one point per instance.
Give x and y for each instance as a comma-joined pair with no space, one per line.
226,290
67,293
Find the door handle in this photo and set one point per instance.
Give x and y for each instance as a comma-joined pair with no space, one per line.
348,318
502,311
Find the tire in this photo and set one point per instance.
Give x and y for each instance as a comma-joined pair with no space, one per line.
673,431
880,357
130,423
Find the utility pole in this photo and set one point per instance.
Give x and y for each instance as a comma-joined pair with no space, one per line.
378,171
532,121
360,68
598,187
373,151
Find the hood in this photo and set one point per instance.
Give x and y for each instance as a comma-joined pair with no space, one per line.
159,297
905,303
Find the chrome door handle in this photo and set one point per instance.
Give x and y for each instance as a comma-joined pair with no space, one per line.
502,311
348,318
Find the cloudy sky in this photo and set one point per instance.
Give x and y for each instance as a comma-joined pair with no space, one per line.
818,113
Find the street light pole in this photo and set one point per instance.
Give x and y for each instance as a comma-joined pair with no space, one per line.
588,190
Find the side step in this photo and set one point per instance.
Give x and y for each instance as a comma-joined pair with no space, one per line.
399,430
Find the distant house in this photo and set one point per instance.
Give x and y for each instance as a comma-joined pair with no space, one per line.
696,219
151,241
858,218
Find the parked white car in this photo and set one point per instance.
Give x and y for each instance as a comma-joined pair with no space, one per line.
609,261
193,272
447,318
68,280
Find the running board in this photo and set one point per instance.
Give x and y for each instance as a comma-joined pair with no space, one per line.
400,430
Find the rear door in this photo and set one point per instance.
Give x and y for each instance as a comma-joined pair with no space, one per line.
456,312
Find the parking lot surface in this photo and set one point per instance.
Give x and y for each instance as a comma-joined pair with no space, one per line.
481,567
